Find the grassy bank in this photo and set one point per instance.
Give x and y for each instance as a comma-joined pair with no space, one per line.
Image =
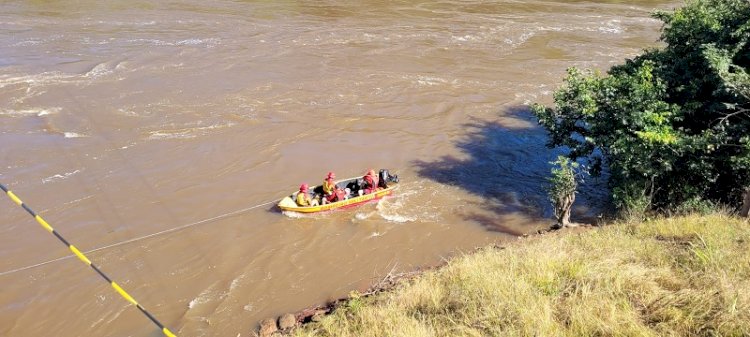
686,276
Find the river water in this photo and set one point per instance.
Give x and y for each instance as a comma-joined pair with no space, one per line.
119,120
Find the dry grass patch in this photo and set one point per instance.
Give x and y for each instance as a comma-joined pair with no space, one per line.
686,276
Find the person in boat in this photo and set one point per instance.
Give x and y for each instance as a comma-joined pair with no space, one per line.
339,194
329,189
303,199
371,182
342,193
333,192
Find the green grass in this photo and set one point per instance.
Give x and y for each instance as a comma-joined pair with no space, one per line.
683,276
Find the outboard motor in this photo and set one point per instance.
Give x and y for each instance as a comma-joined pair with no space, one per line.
385,177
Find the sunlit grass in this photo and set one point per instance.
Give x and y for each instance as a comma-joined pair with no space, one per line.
685,276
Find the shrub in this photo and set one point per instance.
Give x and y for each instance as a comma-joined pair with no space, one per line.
671,125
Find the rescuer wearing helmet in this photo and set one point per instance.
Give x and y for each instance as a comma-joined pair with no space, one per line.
329,188
303,199
371,182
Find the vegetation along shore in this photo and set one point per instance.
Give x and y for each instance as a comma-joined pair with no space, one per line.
681,276
670,130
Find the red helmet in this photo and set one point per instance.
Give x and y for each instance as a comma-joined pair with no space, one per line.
331,175
371,172
303,187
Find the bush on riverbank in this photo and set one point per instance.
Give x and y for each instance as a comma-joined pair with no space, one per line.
685,276
671,125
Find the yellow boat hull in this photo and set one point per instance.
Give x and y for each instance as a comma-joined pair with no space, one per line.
288,204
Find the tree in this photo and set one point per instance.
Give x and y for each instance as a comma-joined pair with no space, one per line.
562,189
672,126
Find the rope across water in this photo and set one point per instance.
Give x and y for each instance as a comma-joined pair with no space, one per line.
81,256
221,216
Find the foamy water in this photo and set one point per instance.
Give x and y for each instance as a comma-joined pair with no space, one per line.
59,176
39,112
186,133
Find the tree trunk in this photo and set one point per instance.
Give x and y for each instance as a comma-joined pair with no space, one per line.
745,203
563,210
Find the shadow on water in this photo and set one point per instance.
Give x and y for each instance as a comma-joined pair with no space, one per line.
506,163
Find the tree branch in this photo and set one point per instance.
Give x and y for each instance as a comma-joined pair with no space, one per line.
730,115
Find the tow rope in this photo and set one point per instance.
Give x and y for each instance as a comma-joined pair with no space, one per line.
85,260
148,236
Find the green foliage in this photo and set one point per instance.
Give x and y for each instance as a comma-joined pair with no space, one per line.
563,181
672,125
696,205
562,185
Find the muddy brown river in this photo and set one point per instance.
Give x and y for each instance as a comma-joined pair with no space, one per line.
135,127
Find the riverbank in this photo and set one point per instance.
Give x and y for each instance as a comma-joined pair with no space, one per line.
674,276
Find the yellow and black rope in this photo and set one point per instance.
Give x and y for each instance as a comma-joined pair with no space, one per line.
85,260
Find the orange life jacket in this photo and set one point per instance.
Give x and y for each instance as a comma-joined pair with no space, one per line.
371,183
